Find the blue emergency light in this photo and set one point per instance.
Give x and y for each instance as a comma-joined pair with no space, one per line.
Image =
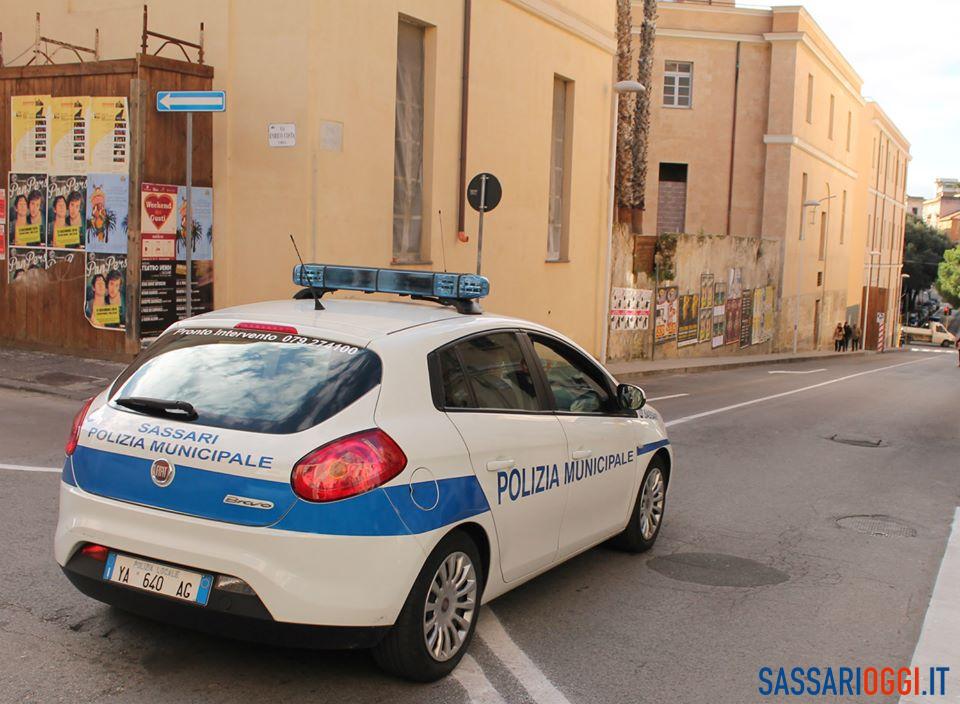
459,290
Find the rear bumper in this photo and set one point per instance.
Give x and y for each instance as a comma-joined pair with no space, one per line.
239,616
300,578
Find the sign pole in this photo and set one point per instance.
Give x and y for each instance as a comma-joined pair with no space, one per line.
483,207
188,225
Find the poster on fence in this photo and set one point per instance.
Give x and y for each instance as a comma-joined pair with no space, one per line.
29,133
3,224
758,307
104,291
688,319
69,134
734,283
108,207
665,326
109,144
746,319
731,313
630,308
719,319
21,260
27,210
66,206
706,307
768,307
201,232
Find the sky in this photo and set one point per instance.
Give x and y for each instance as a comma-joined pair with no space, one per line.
908,56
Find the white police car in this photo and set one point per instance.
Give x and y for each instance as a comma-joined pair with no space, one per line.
353,473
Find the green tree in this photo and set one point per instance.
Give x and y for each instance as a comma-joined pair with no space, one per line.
948,276
923,252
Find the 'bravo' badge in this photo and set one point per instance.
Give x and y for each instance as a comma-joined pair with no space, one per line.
161,472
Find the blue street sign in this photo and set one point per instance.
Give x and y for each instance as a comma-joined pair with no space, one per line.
191,101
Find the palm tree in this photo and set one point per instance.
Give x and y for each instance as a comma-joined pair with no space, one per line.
624,175
641,121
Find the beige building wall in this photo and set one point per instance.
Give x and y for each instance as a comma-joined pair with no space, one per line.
330,67
800,119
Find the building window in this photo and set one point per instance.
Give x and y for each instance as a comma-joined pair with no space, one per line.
833,105
560,153
678,84
810,98
819,279
843,216
672,198
849,129
408,145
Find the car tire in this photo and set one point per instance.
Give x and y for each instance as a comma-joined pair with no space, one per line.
648,508
945,343
404,651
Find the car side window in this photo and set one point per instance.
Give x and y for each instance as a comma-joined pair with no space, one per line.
497,372
455,390
576,383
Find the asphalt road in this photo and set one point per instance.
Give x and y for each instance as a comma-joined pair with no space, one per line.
751,569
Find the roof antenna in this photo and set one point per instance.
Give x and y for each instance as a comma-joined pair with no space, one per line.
443,250
317,305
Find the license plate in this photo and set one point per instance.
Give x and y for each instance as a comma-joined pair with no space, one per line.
158,578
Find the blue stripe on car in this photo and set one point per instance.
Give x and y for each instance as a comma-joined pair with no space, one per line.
651,446
199,492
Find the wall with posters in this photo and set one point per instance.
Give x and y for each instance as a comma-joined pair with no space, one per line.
70,260
721,299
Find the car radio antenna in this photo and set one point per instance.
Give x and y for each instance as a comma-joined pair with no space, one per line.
317,305
443,250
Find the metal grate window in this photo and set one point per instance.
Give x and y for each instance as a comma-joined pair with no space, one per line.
558,167
678,84
408,147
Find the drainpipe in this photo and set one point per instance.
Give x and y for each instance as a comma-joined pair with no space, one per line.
464,100
733,137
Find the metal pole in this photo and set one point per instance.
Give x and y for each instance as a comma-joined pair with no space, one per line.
188,226
796,303
483,207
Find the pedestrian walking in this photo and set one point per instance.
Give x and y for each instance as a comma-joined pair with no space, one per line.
957,345
847,334
838,337
855,338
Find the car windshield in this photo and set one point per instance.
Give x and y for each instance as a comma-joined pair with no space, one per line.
251,380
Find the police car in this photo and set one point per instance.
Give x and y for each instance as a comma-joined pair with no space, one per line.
354,473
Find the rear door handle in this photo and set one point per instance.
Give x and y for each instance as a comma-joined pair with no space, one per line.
582,454
497,465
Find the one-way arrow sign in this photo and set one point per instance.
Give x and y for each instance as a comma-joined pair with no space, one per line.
191,100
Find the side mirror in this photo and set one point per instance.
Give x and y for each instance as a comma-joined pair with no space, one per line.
631,397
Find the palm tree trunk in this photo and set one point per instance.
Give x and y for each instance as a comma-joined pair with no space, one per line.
624,175
641,121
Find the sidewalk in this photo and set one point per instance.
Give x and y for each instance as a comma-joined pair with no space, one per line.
61,375
626,371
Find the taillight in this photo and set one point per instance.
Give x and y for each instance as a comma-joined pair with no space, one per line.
75,430
266,327
97,552
348,466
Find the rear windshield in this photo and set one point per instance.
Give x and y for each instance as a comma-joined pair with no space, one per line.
263,382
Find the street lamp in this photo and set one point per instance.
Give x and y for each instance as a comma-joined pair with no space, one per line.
619,88
796,304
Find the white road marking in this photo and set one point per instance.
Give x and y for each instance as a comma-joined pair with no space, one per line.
931,351
479,689
24,468
937,646
664,398
808,371
704,414
541,689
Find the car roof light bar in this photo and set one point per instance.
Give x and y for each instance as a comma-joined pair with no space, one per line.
462,291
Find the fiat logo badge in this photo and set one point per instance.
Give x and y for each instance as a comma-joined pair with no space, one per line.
161,472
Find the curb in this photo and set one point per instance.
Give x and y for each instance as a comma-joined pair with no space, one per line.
694,369
72,394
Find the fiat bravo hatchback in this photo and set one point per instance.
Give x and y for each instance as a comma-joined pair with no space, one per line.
354,473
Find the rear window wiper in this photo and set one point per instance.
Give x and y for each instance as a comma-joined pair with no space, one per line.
159,407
